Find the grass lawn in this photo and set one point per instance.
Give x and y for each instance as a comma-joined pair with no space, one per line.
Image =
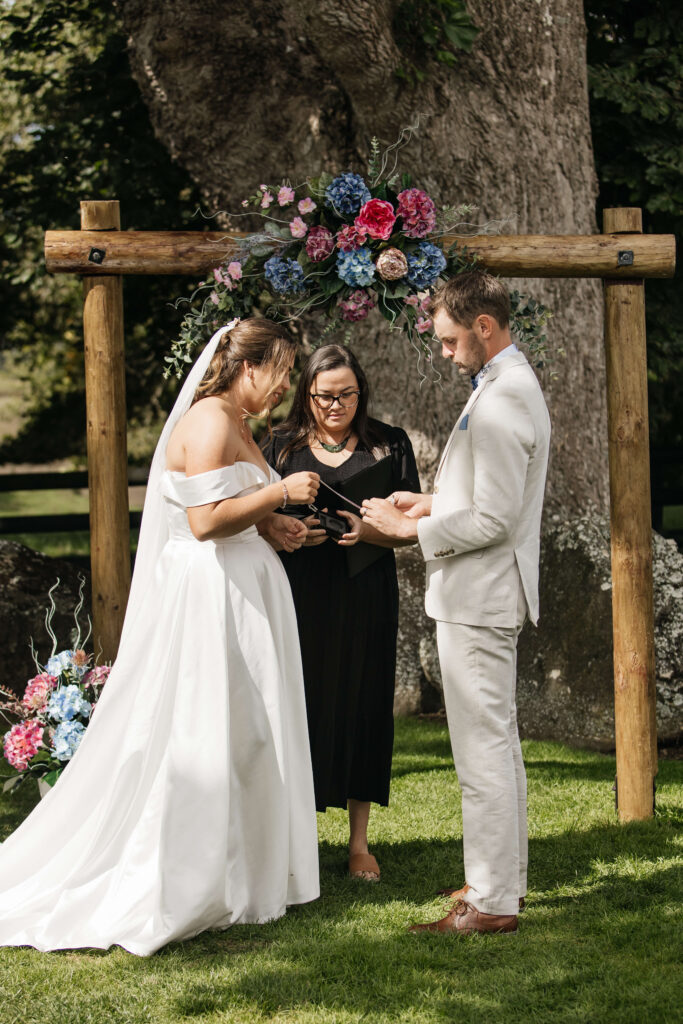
599,942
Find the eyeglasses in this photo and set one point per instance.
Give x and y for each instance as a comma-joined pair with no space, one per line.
347,400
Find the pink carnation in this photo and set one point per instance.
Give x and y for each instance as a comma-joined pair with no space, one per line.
298,228
38,691
377,217
357,305
418,212
22,742
97,676
423,324
285,195
319,244
235,270
306,205
351,237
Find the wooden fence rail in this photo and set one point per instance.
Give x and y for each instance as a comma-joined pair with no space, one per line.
67,522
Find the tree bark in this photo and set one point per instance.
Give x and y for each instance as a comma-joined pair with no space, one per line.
247,92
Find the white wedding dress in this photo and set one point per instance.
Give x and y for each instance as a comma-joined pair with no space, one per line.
189,804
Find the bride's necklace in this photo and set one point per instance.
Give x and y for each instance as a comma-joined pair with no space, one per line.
334,448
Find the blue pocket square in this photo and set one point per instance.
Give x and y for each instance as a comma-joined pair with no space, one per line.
463,422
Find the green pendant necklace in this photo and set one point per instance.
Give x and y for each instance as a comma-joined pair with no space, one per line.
333,448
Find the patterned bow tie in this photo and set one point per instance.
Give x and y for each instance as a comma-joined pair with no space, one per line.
478,377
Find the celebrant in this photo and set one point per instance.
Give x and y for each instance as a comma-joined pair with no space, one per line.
344,585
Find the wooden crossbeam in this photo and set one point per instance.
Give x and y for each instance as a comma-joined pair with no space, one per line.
96,253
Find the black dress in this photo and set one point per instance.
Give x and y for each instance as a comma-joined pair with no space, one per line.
347,630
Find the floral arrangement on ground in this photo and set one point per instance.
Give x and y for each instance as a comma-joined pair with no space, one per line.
343,246
55,709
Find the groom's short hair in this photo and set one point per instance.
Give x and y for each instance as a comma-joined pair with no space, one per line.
466,296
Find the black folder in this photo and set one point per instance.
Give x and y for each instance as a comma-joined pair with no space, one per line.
375,481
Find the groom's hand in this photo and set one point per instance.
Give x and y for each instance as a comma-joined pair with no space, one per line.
384,517
414,505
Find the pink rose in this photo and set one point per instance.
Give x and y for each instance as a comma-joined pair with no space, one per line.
22,742
351,237
418,212
298,228
214,298
377,217
423,324
285,195
412,300
319,244
266,200
235,270
38,691
306,205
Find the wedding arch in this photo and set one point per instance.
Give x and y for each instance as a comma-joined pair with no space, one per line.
622,257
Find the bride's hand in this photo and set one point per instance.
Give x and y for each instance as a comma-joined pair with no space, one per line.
301,487
315,535
283,533
354,532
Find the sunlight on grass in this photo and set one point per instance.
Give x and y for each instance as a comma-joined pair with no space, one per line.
598,942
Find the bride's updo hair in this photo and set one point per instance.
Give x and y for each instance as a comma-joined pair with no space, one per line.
259,341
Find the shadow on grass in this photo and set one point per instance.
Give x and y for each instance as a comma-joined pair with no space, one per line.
600,907
567,957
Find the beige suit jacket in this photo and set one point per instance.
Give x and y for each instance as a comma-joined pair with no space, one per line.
483,534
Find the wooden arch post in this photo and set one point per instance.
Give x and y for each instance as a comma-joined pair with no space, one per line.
635,718
105,397
623,257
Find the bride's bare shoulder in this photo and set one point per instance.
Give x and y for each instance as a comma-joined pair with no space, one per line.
206,434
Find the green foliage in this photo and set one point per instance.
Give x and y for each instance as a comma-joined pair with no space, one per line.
635,58
73,126
435,29
598,942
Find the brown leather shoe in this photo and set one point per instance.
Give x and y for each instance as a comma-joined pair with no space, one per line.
459,894
465,919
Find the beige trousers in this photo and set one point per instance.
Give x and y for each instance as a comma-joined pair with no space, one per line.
479,668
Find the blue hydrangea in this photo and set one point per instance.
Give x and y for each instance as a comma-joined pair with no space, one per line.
59,663
284,275
347,194
425,265
356,268
67,739
67,702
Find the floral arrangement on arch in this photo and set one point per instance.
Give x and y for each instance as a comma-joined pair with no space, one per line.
341,246
55,709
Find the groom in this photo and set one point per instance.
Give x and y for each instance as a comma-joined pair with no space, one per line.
479,533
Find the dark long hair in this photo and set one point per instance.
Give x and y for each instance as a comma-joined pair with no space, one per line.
300,423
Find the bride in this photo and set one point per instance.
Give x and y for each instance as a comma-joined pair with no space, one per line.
189,804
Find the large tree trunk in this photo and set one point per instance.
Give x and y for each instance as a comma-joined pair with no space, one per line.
248,92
